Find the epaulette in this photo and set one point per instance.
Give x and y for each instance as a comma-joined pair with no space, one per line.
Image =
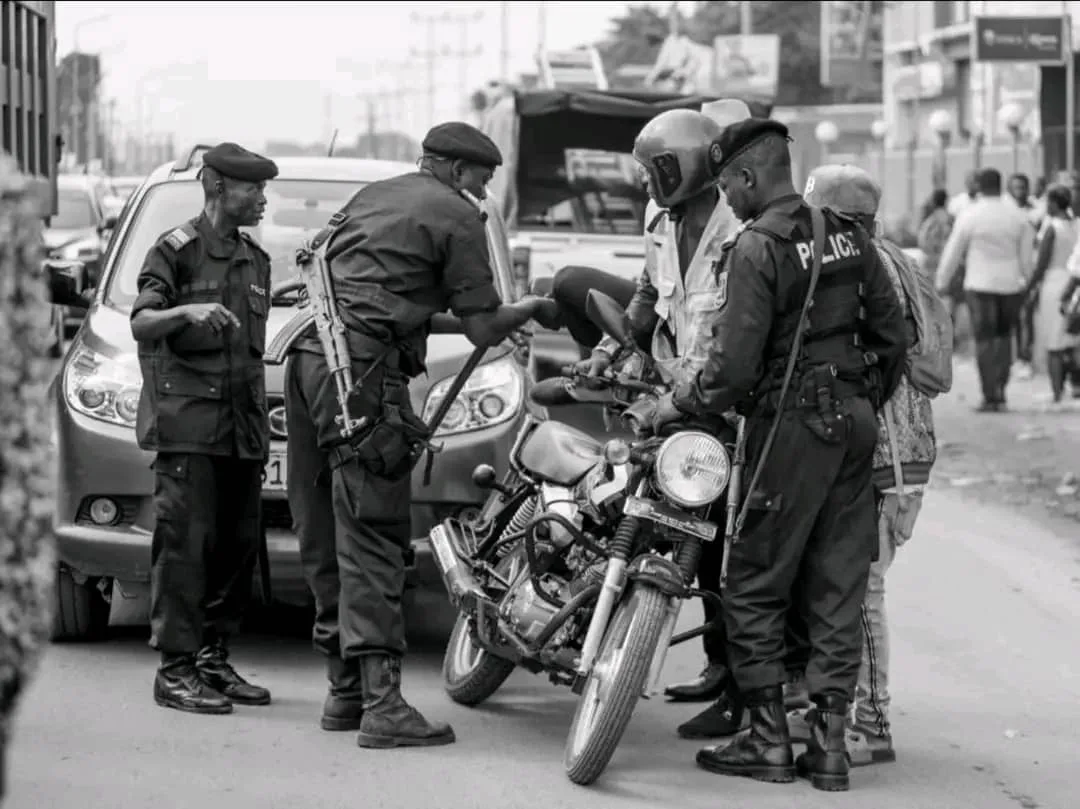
247,237
181,236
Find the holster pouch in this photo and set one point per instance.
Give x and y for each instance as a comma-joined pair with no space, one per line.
823,415
394,441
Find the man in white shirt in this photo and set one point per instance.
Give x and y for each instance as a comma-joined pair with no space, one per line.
993,239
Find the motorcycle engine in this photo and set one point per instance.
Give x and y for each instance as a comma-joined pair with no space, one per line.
527,612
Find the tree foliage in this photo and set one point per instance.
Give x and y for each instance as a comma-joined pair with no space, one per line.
635,38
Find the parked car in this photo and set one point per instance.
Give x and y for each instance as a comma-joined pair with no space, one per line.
119,190
79,230
104,511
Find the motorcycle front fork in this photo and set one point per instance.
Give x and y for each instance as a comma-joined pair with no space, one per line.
652,682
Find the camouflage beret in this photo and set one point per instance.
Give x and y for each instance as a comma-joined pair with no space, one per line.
844,188
739,136
458,140
238,163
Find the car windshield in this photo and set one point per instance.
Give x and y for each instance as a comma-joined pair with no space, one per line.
74,210
295,210
587,191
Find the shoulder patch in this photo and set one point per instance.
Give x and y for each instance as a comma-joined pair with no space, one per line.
179,237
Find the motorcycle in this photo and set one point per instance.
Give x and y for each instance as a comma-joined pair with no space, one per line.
581,558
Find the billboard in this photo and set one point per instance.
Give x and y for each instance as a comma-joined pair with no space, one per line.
851,44
747,67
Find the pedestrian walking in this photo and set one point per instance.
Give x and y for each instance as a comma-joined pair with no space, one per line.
993,240
200,324
1058,240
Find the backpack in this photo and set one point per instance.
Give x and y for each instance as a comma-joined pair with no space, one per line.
929,358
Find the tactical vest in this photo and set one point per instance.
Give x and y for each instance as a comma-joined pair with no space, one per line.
686,305
833,336
205,392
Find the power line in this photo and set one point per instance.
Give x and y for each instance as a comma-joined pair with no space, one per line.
433,55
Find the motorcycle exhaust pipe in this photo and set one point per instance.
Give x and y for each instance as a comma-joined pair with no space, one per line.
449,548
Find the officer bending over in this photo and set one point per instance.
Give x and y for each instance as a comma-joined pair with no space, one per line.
200,323
401,252
812,521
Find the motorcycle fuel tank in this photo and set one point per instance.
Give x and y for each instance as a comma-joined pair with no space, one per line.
557,453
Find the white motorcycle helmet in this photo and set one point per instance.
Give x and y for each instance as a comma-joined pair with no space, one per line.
675,153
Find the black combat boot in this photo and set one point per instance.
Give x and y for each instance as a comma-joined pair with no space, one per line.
826,761
216,671
344,705
725,717
178,685
706,686
389,721
762,751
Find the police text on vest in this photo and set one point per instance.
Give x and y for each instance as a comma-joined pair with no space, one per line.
838,246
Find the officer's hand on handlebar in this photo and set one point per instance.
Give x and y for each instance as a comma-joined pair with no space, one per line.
214,315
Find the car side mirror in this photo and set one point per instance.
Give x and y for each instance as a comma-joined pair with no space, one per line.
605,312
67,280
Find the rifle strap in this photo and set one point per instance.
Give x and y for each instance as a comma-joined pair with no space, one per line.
817,220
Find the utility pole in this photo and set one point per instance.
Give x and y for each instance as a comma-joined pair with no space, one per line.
746,18
433,54
504,41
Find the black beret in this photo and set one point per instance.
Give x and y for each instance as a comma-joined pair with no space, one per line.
737,137
461,141
236,162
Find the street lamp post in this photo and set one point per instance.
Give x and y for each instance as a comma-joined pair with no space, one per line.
941,123
1011,116
827,133
879,129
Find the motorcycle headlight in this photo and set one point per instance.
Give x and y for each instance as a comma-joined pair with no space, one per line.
692,468
492,395
103,387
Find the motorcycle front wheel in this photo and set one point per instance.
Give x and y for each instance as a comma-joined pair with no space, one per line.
615,683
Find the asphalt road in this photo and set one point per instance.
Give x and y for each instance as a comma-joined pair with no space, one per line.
986,673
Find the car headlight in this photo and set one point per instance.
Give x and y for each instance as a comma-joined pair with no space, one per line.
492,395
692,468
103,387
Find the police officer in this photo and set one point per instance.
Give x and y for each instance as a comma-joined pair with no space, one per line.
812,519
689,226
200,323
401,252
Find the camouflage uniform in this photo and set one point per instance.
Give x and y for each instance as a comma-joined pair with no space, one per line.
27,553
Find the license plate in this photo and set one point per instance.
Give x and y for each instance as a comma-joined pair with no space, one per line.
670,518
275,473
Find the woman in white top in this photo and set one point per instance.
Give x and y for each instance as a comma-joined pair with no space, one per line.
1058,239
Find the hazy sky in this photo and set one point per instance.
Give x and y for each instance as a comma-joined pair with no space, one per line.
250,71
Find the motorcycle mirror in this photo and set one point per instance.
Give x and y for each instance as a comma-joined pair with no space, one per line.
605,312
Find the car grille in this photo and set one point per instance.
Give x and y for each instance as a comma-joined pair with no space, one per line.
276,405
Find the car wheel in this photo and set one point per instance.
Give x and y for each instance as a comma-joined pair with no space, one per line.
80,613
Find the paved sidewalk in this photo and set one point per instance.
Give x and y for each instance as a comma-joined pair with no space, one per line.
1027,457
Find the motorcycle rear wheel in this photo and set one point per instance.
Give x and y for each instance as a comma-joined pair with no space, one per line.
471,674
615,683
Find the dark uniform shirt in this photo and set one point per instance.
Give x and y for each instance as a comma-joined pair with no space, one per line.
410,247
205,392
767,282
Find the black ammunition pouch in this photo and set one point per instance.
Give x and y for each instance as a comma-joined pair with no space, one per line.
390,445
